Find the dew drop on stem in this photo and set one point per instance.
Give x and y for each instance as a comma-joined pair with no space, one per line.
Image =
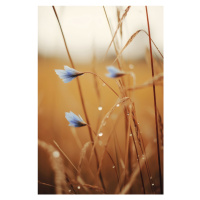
100,134
56,154
100,108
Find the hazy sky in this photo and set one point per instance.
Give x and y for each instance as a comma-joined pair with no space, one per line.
87,31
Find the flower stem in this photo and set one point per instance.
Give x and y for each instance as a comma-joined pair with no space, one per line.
81,95
155,106
102,81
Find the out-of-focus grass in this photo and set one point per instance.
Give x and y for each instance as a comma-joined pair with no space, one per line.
55,98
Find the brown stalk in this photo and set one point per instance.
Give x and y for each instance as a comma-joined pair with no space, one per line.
82,156
57,166
128,145
118,26
65,156
119,101
81,96
133,176
106,151
85,185
131,39
116,51
154,80
96,85
155,106
141,143
137,130
102,81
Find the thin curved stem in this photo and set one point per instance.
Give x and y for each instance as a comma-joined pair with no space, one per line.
81,95
102,81
155,106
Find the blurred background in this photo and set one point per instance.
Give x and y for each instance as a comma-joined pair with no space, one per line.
86,30
88,35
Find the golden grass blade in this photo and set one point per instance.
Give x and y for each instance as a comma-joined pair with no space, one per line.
131,39
135,173
96,85
141,143
70,183
155,105
127,142
155,80
119,101
121,182
95,80
160,121
57,166
116,46
113,162
106,151
117,157
80,92
82,156
47,184
83,153
74,133
80,180
65,156
118,26
133,177
88,187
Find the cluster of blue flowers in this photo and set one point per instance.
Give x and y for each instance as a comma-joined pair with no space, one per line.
67,75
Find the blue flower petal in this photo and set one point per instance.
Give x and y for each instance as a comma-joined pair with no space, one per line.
68,74
114,72
74,120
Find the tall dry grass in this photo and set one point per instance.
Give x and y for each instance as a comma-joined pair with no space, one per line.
115,154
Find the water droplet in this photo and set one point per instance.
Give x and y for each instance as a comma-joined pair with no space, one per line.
79,187
113,166
143,157
69,190
131,66
100,134
117,105
127,113
103,84
56,154
152,184
150,177
100,108
130,134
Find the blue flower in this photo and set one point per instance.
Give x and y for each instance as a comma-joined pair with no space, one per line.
68,74
74,120
114,72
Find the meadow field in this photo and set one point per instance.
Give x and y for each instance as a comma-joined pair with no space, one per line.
119,147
